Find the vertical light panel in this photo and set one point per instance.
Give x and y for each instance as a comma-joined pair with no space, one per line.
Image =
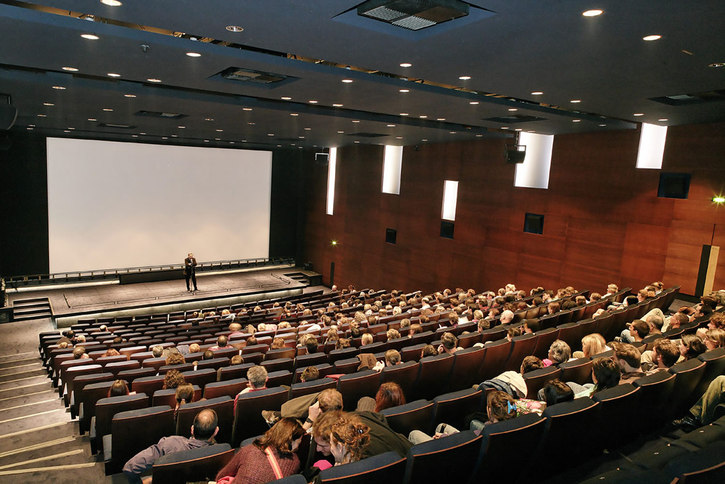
534,171
651,146
392,166
450,197
331,169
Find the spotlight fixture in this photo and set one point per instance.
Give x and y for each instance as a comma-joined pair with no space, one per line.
406,64
592,13
719,199
650,38
111,3
234,28
193,54
113,74
90,36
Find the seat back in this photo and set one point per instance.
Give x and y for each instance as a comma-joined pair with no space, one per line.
431,461
87,398
168,396
494,361
387,467
434,373
404,374
278,364
357,385
687,377
655,392
715,361
616,405
544,340
277,378
200,464
579,370
134,430
536,379
521,347
200,377
248,420
148,385
234,371
452,408
213,363
315,386
107,407
224,408
411,416
465,367
229,388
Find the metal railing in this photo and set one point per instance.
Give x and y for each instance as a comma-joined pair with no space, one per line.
111,274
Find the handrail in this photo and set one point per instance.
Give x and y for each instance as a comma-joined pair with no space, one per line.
109,274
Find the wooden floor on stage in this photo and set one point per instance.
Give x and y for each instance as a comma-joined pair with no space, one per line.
74,300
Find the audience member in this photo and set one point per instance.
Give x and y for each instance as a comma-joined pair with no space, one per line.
173,379
118,389
559,352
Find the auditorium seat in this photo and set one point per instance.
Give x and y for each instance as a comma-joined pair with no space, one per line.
357,385
579,370
404,374
508,448
234,371
168,396
131,375
200,377
544,339
521,347
452,408
254,358
105,409
346,366
448,459
687,377
314,386
493,334
154,363
616,405
195,465
323,368
148,385
119,366
494,361
79,384
278,364
248,419
66,387
182,367
434,373
537,379
470,339
654,399
344,353
313,359
226,387
224,408
571,334
134,430
277,378
280,353
214,363
411,416
387,467
87,399
412,352
715,361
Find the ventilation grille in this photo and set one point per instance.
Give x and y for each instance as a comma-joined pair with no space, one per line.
116,125
367,135
160,114
688,99
251,76
513,119
413,14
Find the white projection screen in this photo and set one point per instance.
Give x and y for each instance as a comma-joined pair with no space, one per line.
115,205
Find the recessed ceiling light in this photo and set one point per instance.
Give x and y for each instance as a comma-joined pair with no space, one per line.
153,79
404,90
217,139
48,104
219,130
134,136
206,141
286,98
231,142
390,125
464,78
111,3
356,142
537,93
479,136
347,81
312,101
71,128
404,114
164,137
638,114
270,134
251,123
440,119
575,101
66,131
340,132
181,127
424,139
406,64
473,102
247,109
601,125
29,128
70,69
576,120
592,13
92,119
42,115
308,129
355,120
208,119
513,110
129,95
662,120
398,137
108,110
504,127
423,116
60,88
716,65
517,129
90,36
301,137
234,28
337,105
174,135
650,38
193,54
113,74
451,132
293,114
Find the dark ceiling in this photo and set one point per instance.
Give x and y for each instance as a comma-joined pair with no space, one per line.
509,50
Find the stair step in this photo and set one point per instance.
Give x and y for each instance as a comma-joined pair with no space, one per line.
31,310
12,374
28,410
20,383
11,441
47,314
31,300
60,474
10,401
64,450
21,361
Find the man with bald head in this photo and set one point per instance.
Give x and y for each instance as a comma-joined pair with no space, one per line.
203,431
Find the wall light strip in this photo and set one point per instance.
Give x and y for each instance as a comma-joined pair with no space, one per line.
331,172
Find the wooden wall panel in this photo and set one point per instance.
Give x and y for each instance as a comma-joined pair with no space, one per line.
603,220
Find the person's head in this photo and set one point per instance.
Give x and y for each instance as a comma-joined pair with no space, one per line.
311,344
349,437
428,350
310,373
714,338
556,391
190,255
507,316
322,429
158,351
342,343
222,341
175,358
118,388
80,338
531,363
605,373
415,329
285,437
593,344
500,406
205,425
594,297
234,327
277,343
79,352
628,357
612,288
236,360
257,376
639,329
392,357
678,319
194,348
251,341
208,355
514,331
553,307
559,352
329,399
184,393
666,352
393,334
389,395
717,321
367,339
173,379
111,352
691,346
449,342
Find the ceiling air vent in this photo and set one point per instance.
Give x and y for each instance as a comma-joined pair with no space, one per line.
116,125
251,76
516,118
159,114
413,14
695,98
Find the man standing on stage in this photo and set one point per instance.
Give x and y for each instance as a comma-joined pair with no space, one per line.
190,271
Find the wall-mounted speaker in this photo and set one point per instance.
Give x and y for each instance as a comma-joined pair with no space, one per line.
534,223
447,229
674,185
515,153
391,236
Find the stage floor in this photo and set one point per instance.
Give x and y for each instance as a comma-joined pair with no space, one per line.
76,300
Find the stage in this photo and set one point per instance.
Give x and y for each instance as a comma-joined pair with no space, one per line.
70,302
